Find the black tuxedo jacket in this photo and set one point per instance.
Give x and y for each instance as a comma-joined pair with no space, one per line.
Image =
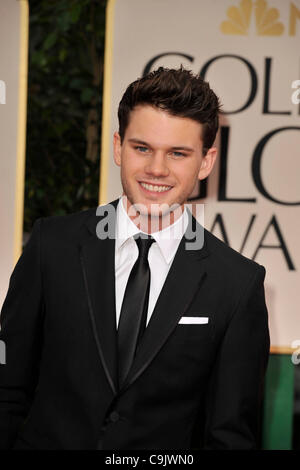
190,386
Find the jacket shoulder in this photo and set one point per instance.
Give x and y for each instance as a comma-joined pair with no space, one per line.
67,222
229,259
63,228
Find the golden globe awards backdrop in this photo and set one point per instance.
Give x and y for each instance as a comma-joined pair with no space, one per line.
249,52
13,100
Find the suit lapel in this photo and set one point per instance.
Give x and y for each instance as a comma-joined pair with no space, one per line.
183,281
97,259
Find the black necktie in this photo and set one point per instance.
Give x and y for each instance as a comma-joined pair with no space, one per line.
133,314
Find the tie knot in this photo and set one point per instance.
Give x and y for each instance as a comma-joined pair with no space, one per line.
143,243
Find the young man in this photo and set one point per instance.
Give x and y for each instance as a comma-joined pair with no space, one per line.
120,332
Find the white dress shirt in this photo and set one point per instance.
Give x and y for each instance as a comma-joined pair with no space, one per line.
160,257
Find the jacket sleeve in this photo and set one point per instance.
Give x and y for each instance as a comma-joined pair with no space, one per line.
21,333
235,392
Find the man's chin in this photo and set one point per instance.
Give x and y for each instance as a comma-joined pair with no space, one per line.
154,213
151,209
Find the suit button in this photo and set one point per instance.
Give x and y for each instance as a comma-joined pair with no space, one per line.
114,416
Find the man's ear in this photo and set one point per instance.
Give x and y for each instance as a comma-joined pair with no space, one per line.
117,148
207,163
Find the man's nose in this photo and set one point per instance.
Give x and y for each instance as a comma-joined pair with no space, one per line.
157,165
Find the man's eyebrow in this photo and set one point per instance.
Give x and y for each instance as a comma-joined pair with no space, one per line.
180,147
183,147
137,141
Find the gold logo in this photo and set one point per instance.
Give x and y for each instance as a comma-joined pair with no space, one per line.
266,19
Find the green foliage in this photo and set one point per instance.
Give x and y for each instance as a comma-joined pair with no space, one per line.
66,49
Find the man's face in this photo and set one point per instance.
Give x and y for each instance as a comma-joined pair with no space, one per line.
161,159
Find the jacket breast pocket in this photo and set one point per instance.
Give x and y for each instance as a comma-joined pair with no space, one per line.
193,327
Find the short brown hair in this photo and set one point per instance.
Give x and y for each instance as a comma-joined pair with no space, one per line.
180,93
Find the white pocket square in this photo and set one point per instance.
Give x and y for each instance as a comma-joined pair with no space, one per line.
193,320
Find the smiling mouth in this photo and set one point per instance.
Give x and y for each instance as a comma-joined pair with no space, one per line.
155,188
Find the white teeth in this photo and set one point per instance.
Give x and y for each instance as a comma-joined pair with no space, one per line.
158,189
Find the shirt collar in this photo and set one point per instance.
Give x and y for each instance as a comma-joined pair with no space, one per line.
167,239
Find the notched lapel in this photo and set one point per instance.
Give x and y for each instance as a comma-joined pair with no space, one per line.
97,259
184,279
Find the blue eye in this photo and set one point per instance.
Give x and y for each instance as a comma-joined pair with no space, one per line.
141,149
178,154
